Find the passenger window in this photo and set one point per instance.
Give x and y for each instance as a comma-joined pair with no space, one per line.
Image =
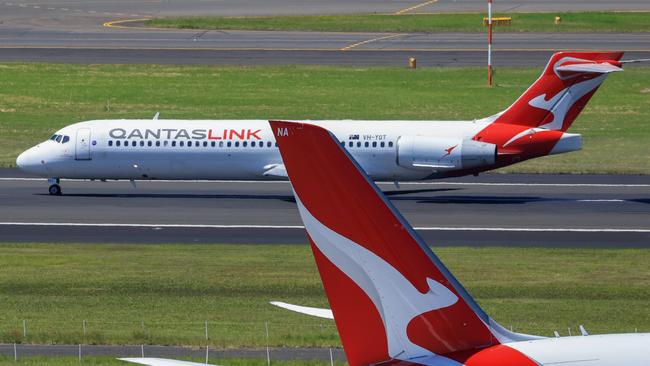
141,142
244,144
117,143
358,143
58,138
350,144
382,144
236,143
390,143
110,142
268,144
220,143
165,143
205,144
261,143
366,144
374,144
189,143
252,143
133,143
149,143
181,143
213,144
229,143
126,144
157,143
174,143
276,144
66,139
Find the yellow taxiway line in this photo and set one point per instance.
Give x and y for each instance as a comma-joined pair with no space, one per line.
407,10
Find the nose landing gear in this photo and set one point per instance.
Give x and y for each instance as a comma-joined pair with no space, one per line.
55,188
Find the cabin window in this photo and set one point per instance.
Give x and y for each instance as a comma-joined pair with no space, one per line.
350,144
268,144
236,143
374,144
390,143
174,143
126,144
213,144
165,143
157,143
117,143
189,143
141,142
358,143
252,143
366,144
220,143
276,144
261,143
181,143
110,142
205,144
149,143
134,143
382,144
244,144
229,143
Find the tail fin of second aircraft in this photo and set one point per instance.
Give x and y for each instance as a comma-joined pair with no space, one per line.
556,98
391,297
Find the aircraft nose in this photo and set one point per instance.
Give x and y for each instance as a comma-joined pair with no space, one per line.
29,161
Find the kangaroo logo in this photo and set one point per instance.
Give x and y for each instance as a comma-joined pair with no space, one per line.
560,104
449,150
396,299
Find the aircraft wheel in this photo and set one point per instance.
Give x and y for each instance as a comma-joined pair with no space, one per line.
55,190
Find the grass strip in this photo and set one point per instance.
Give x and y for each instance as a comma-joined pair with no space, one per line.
38,99
111,361
163,294
419,23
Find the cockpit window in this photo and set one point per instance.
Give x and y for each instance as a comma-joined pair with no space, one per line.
65,139
58,138
53,138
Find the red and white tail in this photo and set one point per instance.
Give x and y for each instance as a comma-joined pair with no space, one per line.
391,297
556,98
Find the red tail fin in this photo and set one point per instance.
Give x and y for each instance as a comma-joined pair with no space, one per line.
568,82
391,296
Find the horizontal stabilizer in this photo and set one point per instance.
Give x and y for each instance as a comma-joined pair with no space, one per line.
317,312
602,68
161,362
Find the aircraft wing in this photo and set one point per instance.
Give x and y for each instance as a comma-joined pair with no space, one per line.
275,170
161,362
317,312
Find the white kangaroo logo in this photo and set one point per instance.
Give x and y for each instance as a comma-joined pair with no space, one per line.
560,104
394,296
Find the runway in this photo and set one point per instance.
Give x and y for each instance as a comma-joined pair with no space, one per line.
72,32
495,209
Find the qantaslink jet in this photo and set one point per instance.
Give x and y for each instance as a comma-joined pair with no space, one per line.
535,125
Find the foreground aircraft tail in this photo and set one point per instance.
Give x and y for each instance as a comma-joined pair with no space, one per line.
556,98
391,297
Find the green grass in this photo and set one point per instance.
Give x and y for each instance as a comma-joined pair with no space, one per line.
416,23
38,99
111,361
173,289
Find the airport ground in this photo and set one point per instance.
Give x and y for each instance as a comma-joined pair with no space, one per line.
584,260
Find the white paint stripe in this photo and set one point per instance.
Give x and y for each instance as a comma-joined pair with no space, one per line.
379,183
602,200
245,226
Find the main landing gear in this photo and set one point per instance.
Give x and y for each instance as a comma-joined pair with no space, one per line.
55,188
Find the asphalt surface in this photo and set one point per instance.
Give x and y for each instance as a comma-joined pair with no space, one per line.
72,32
494,209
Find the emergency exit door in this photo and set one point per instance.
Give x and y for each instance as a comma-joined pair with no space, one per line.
82,147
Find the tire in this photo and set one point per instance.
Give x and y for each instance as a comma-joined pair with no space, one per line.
55,190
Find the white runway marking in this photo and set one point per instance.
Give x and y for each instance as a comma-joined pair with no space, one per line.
244,226
379,183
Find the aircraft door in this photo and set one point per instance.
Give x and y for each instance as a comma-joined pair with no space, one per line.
82,147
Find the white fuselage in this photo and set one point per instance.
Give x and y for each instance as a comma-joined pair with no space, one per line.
219,149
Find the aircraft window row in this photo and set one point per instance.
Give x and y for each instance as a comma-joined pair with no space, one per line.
368,144
174,143
62,139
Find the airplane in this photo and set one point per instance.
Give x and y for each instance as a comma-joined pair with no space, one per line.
393,300
534,125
